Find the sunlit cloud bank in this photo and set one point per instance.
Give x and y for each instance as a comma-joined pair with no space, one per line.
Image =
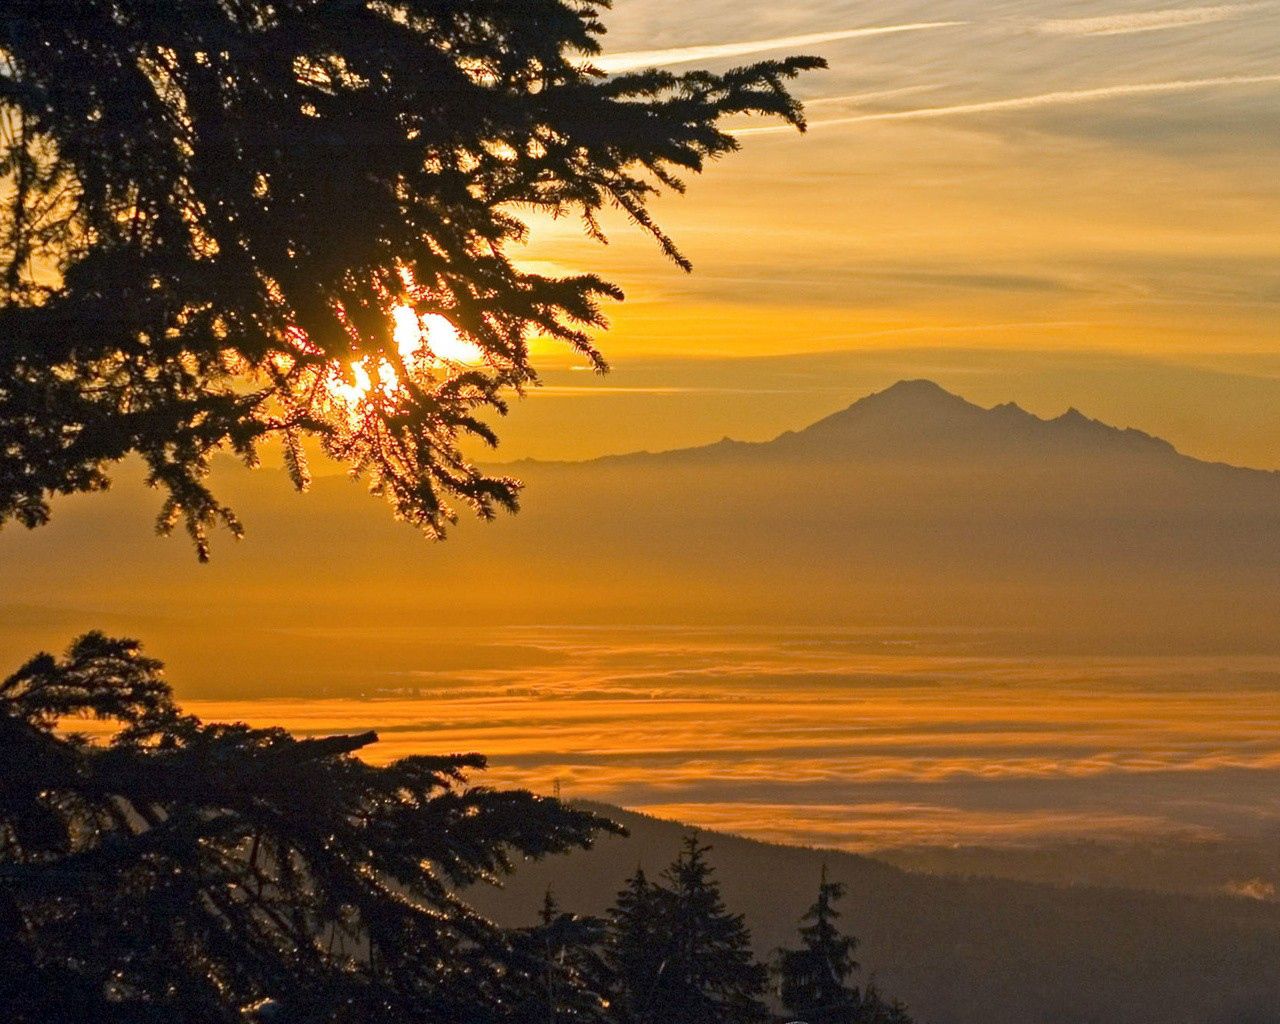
871,827
850,740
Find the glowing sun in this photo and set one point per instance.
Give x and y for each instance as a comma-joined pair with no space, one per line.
423,342
433,337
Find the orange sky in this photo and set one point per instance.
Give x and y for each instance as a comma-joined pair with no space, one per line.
1104,181
1055,204
991,183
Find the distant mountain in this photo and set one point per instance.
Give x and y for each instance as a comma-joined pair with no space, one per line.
915,506
963,951
918,419
912,507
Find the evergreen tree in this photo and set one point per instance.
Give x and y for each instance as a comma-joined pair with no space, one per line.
634,949
218,217
224,219
814,978
707,974
569,980
874,1010
185,872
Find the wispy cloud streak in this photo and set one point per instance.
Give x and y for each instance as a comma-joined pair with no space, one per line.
1144,21
868,97
1045,99
634,60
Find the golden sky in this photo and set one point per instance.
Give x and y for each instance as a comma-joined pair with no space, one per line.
1058,204
1001,188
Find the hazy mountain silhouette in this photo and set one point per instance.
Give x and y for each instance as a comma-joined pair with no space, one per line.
914,505
919,419
911,507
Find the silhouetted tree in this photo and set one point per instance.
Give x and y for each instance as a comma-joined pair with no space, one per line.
217,217
569,979
813,980
213,209
184,871
707,972
634,949
875,1010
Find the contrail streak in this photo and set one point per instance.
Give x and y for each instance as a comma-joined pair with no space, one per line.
1144,21
1044,99
636,59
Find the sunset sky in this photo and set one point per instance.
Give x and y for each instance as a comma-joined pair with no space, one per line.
1052,203
1047,203
435,493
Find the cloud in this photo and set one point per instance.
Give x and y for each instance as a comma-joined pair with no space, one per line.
857,738
868,97
555,390
1044,99
876,827
1254,889
1143,21
634,60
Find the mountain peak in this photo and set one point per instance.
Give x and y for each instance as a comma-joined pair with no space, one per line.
919,418
919,421
911,405
919,391
915,386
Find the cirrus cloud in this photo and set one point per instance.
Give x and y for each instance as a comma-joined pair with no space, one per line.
1045,99
1144,21
635,60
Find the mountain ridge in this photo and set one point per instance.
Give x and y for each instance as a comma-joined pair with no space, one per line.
925,411
917,418
1073,532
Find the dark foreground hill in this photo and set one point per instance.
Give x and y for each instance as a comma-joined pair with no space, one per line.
966,951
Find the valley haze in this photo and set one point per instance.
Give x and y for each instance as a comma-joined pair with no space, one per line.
915,624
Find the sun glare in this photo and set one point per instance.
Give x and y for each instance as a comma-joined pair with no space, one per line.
406,331
444,342
431,338
423,342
